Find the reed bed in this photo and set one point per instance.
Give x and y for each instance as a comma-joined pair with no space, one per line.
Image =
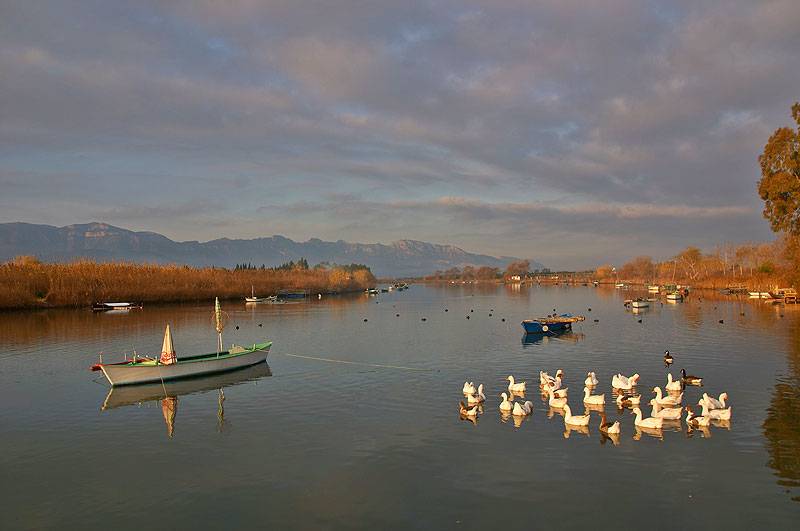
28,283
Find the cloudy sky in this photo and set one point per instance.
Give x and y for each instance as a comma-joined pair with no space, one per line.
567,131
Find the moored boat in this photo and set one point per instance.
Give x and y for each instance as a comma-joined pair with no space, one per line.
253,298
168,366
675,296
118,306
640,303
551,324
653,289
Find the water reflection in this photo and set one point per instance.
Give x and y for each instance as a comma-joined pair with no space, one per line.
782,425
545,338
167,393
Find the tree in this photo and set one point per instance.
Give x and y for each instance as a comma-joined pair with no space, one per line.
605,271
779,186
520,268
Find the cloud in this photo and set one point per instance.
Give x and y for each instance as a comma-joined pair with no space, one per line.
557,118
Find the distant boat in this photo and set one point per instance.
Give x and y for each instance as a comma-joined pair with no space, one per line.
640,303
118,306
759,295
619,285
675,296
292,294
653,289
371,291
253,298
168,366
553,324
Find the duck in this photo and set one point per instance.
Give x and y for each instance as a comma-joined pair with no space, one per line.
478,397
667,400
513,387
667,358
467,411
555,385
669,413
715,414
546,379
649,422
691,379
608,427
523,410
469,388
695,421
673,385
714,403
589,398
505,405
623,400
555,402
623,382
591,379
574,420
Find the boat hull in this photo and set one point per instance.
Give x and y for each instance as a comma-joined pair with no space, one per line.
536,327
131,374
640,304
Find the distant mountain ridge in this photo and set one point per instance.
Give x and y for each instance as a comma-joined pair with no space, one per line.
103,242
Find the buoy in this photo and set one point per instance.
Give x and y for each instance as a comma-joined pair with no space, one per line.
445,309
397,315
260,325
490,315
597,320
468,317
590,309
545,328
721,321
237,327
365,320
503,319
640,320
471,311
424,319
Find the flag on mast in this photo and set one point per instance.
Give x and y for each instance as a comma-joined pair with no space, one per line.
167,349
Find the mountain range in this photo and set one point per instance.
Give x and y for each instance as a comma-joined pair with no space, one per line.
103,242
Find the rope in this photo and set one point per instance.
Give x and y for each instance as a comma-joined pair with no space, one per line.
329,360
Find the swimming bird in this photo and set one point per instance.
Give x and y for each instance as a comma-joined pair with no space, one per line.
555,402
623,382
477,397
716,414
673,385
588,398
513,387
691,379
467,411
574,420
505,405
696,421
469,388
667,358
667,400
546,379
649,422
523,410
608,427
591,379
714,403
669,413
623,401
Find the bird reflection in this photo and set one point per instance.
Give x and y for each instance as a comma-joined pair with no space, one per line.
613,437
569,428
702,430
652,432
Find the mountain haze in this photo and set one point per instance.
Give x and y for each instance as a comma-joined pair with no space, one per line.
103,242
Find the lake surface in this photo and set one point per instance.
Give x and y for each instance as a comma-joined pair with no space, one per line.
316,444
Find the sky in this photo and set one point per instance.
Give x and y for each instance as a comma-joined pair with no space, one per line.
570,132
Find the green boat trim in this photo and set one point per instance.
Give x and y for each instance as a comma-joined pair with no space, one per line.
234,352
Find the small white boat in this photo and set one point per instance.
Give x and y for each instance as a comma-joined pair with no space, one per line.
619,285
640,303
675,296
169,366
253,298
759,295
653,289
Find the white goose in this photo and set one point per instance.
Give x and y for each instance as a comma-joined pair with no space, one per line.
546,379
668,401
588,398
695,421
714,403
523,410
672,385
574,420
478,397
649,422
505,405
715,414
514,387
467,411
623,382
555,402
591,380
623,400
670,413
469,388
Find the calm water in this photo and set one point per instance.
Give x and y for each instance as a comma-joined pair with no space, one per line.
307,443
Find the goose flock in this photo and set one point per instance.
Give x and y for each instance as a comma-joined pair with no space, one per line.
667,409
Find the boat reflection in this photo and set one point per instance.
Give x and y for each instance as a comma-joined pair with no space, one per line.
544,338
167,393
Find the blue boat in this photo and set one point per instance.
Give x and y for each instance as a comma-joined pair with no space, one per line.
551,324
